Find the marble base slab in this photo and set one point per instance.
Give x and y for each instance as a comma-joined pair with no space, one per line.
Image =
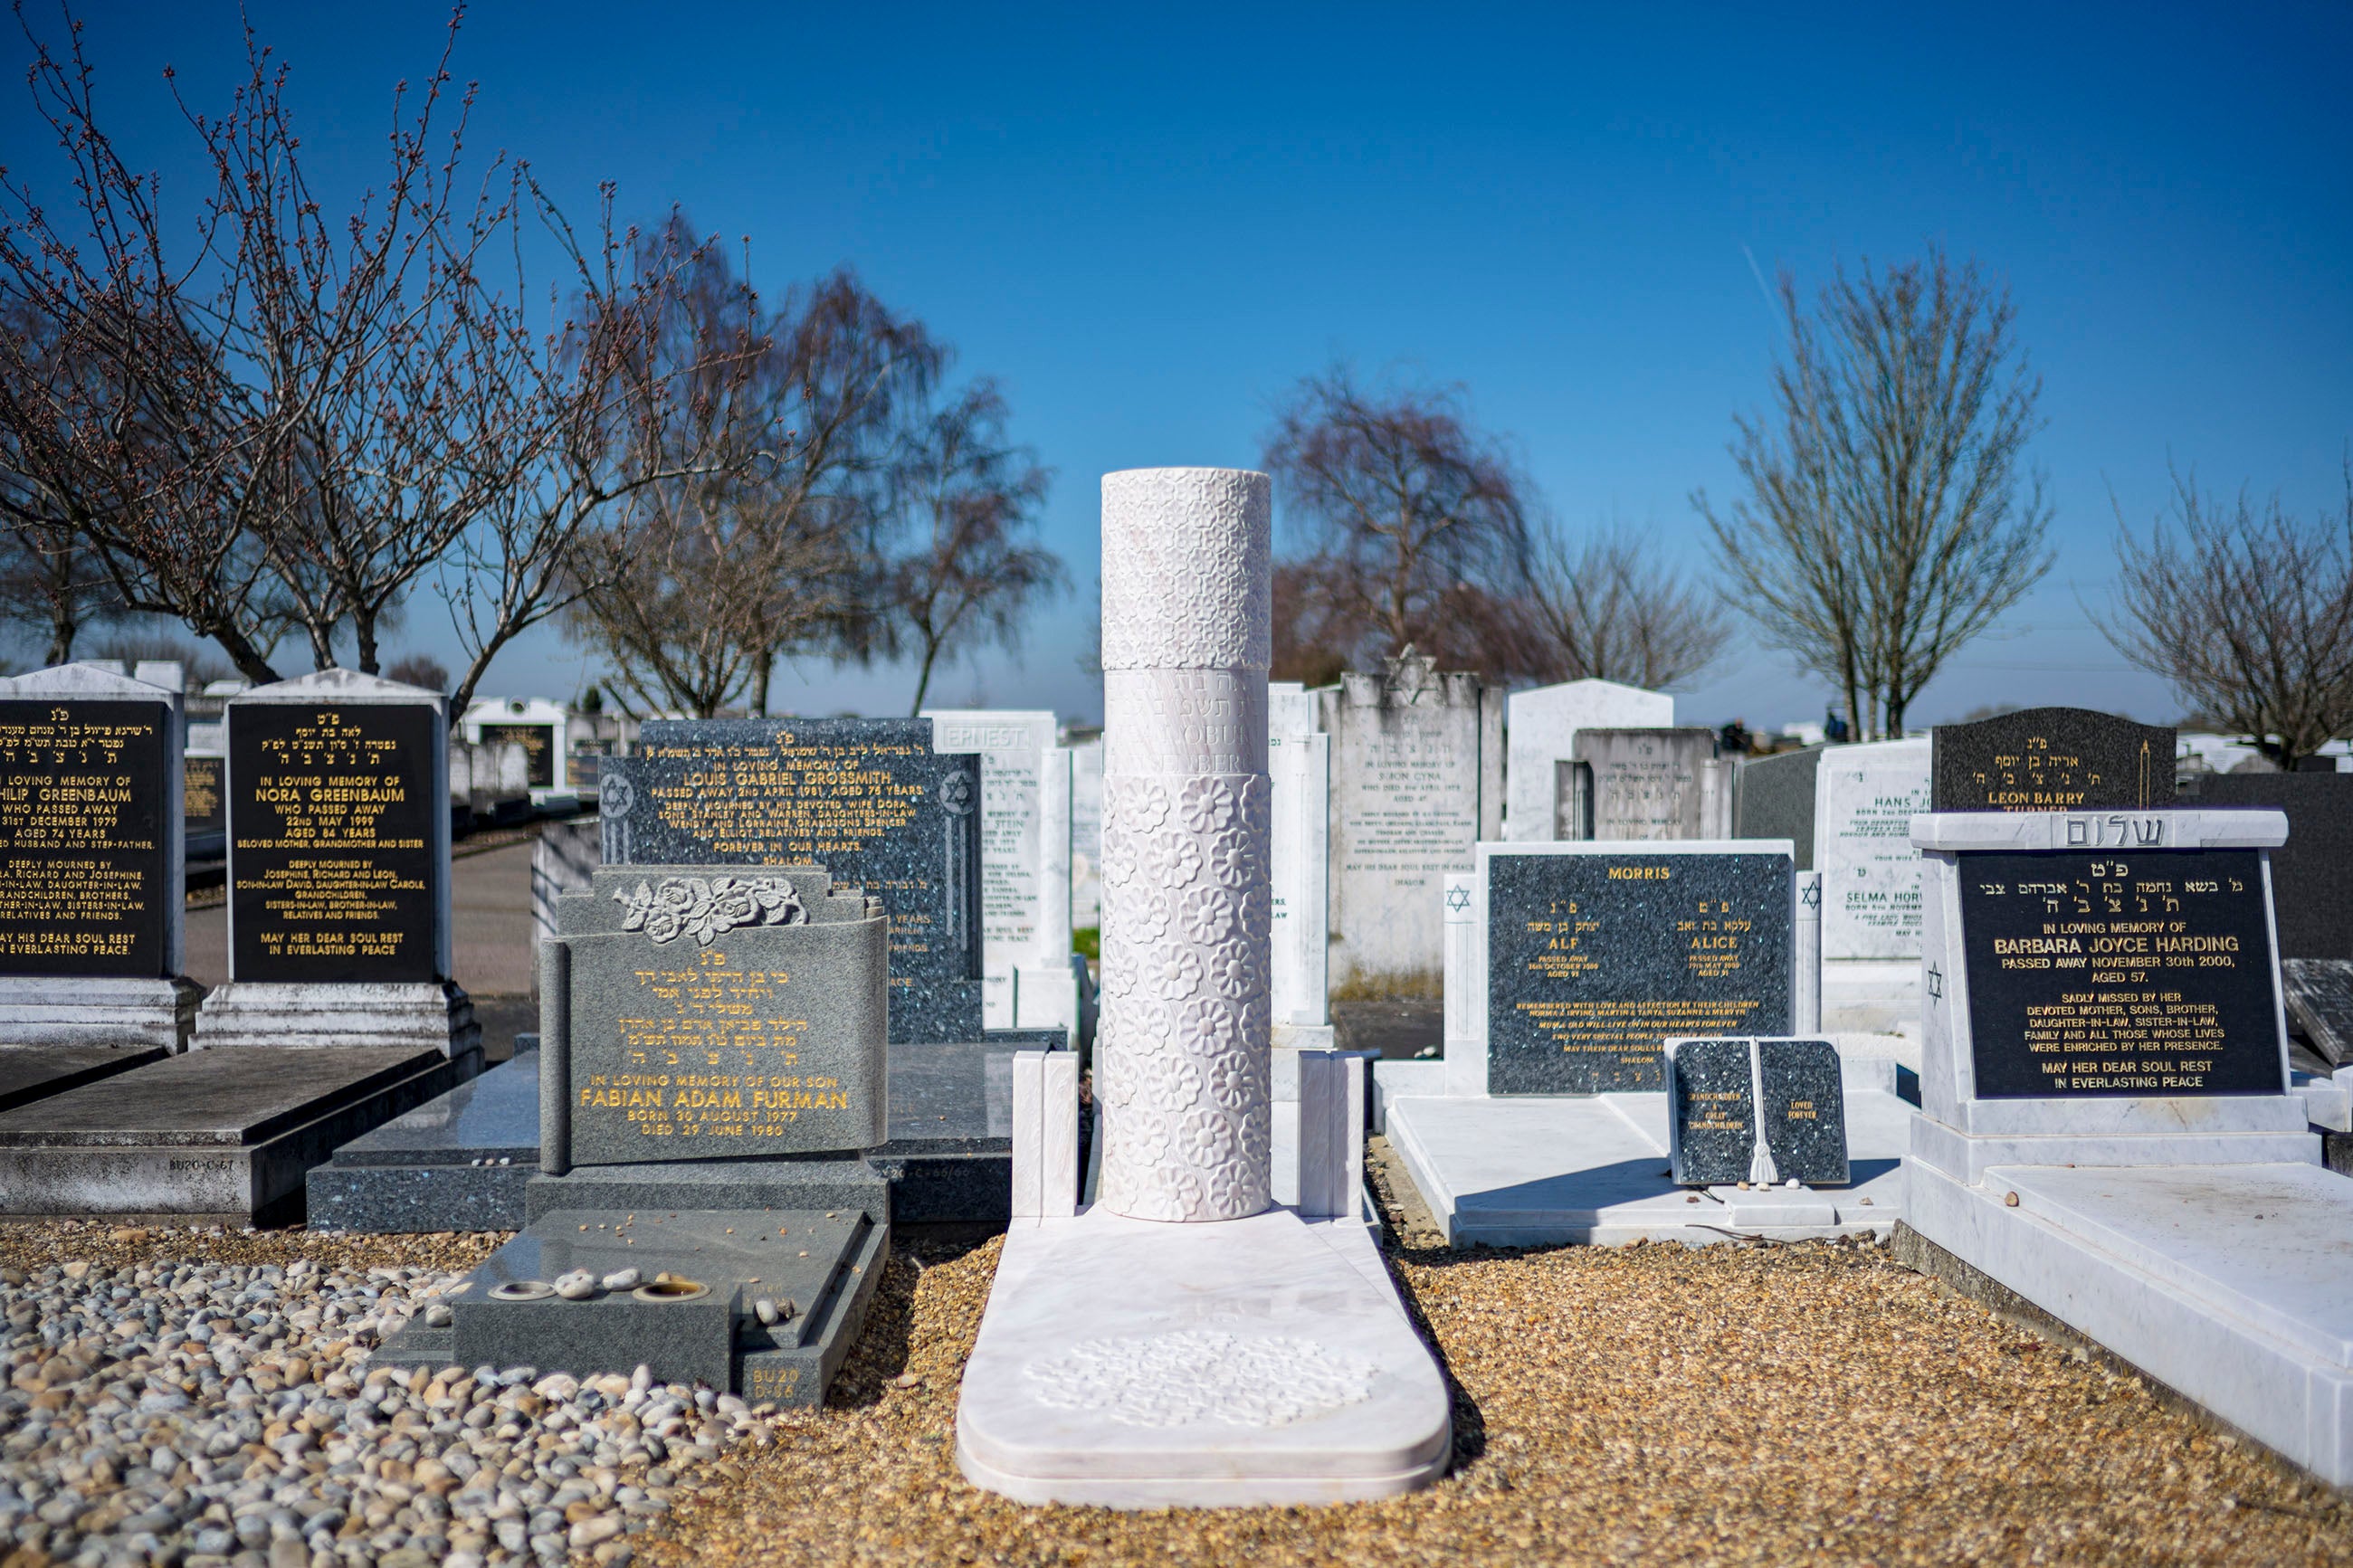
323,1016
2227,1283
1967,1157
1128,1363
1526,1170
29,1073
199,1133
157,1014
1871,996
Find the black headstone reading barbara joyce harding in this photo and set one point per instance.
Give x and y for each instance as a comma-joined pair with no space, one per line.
1596,960
2050,759
868,799
85,851
2135,973
1713,1088
332,873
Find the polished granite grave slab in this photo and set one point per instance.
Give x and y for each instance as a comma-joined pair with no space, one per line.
463,1162
229,1131
29,1073
817,1270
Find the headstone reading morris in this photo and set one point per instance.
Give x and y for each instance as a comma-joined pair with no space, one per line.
91,844
2052,759
1417,781
1644,785
1755,1110
1597,954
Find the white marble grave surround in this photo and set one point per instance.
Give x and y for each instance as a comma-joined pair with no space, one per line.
1864,799
429,1014
1962,1134
1183,1038
40,1010
2224,1282
1046,1134
1548,1171
1540,733
1025,861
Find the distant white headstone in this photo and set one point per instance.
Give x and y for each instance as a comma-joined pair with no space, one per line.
1540,733
1864,798
1025,911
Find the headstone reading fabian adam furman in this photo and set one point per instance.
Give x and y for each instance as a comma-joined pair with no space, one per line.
339,871
1758,1110
1599,955
703,1032
90,839
2052,759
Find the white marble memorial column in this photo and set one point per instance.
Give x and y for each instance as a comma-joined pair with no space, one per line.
1182,1061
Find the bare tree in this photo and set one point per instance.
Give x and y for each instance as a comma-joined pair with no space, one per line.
971,571
1602,609
1415,524
2248,611
1884,526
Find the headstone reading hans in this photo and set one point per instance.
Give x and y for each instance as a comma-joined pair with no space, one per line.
1865,801
868,799
1645,785
91,905
339,871
1755,1110
1417,782
703,1035
1599,955
2052,759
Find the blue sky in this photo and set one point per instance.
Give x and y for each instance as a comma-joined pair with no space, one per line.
1148,224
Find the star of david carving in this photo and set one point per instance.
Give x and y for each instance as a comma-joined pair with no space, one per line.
1935,983
1813,895
1458,899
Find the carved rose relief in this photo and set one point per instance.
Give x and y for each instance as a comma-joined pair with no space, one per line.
704,908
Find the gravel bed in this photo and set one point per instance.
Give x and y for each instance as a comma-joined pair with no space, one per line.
1816,1404
204,1397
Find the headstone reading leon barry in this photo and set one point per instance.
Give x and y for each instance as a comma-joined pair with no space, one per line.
2052,759
1597,956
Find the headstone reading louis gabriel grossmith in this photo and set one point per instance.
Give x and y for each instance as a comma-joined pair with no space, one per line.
90,846
339,871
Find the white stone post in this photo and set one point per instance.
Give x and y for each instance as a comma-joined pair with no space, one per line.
1806,979
1183,1042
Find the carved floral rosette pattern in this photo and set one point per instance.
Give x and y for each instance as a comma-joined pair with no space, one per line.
1181,1046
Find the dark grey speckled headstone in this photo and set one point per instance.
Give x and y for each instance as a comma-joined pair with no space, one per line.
700,1013
2319,993
866,798
1596,960
2050,759
1773,797
1713,1093
2311,899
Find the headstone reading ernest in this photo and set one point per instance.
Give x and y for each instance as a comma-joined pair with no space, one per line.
1757,1111
1597,954
2052,759
90,840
